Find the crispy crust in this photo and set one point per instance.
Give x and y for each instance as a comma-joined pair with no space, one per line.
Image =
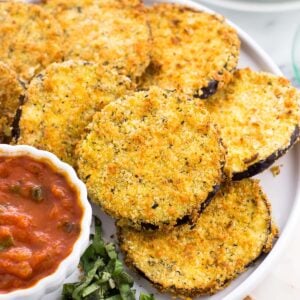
155,152
107,34
100,3
11,93
258,115
263,164
233,231
193,51
61,102
119,3
30,38
185,219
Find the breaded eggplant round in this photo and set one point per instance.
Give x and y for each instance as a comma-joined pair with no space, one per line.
118,36
61,101
30,38
231,233
11,95
192,51
151,159
258,115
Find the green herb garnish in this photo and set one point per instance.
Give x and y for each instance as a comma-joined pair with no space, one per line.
104,275
37,193
146,297
6,242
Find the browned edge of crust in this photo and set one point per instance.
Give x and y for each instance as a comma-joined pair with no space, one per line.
272,235
263,164
212,84
187,219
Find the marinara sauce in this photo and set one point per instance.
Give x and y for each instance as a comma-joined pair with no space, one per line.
40,216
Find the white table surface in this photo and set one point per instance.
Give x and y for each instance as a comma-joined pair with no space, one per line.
274,33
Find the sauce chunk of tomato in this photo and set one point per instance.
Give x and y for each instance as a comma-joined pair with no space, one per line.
40,217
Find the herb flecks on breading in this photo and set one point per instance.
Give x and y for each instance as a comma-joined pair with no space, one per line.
151,159
61,102
258,115
31,38
231,233
108,34
192,51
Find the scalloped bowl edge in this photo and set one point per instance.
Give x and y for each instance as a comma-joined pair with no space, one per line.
70,263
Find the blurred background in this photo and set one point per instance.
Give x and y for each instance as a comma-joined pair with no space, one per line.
275,25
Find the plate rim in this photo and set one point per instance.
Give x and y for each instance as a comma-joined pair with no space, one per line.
286,234
254,7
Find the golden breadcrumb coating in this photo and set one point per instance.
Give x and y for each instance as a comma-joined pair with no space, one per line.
193,51
11,92
151,158
275,170
229,235
107,34
30,38
120,2
257,114
61,102
101,3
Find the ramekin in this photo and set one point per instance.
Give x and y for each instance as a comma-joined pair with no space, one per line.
67,266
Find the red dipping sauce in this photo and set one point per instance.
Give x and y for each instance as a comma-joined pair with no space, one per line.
40,217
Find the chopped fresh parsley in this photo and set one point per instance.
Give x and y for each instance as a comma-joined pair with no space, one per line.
146,297
104,276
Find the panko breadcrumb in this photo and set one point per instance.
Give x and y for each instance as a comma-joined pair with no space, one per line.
107,34
61,102
151,159
11,94
192,51
231,233
258,115
30,38
275,170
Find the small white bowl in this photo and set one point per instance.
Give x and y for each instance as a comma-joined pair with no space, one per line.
69,264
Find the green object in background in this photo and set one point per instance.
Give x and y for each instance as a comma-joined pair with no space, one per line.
296,55
104,276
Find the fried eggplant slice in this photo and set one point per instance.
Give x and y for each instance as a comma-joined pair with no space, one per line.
151,159
258,115
110,34
61,101
231,233
193,51
30,38
11,95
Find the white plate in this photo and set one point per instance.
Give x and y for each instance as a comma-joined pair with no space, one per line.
256,5
283,192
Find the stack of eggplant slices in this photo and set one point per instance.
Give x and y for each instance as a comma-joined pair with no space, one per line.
147,104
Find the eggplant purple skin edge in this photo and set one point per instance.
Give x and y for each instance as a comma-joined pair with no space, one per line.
263,164
196,291
185,219
208,90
